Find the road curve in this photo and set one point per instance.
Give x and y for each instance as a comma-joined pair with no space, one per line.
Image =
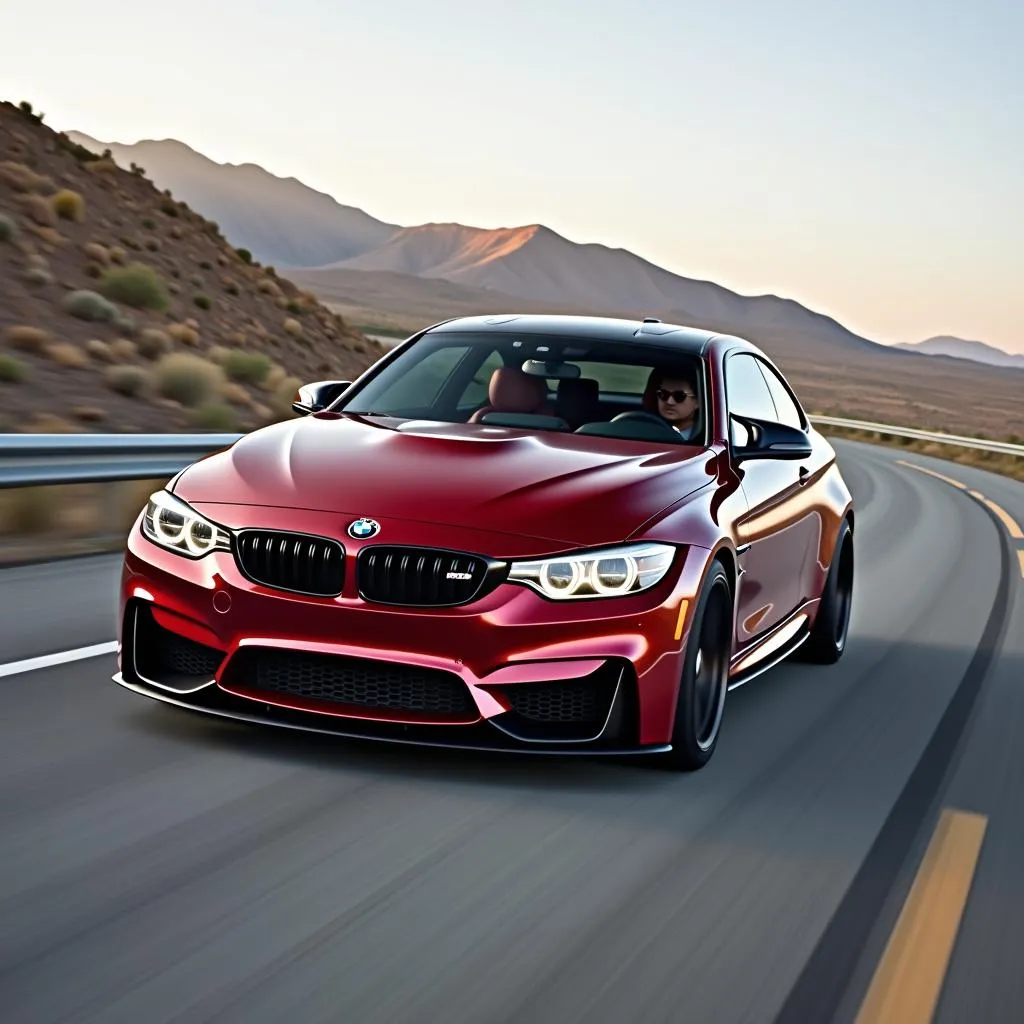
155,866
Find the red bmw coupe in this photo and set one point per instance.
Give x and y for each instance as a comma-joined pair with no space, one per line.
552,534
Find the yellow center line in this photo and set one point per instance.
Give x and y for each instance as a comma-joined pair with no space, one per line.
931,472
907,983
1011,524
1008,521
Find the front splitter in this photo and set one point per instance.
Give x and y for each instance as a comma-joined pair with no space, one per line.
487,739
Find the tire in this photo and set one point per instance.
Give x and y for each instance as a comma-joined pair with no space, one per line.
827,641
704,679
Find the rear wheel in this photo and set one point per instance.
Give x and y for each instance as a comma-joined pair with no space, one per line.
705,676
827,641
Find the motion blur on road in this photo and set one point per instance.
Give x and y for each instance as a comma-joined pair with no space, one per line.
158,866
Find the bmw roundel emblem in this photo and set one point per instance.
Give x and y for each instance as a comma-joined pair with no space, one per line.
363,528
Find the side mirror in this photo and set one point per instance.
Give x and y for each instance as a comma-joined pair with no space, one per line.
319,395
767,440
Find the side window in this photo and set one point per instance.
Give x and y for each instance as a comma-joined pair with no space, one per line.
476,391
788,411
746,394
420,384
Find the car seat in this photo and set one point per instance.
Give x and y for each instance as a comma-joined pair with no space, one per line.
511,390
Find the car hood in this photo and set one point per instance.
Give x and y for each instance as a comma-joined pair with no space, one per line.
568,488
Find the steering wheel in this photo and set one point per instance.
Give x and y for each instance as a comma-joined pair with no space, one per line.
643,416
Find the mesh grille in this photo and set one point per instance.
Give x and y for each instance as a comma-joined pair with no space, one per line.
292,561
181,656
558,702
355,681
420,576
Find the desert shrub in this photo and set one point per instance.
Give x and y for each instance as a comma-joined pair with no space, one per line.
68,355
184,333
130,381
124,323
188,379
168,207
8,228
99,350
152,245
136,285
39,210
69,205
245,255
268,287
38,278
148,223
22,178
117,254
247,367
231,287
293,307
89,413
215,416
293,327
153,343
97,253
93,270
27,339
202,301
87,305
235,394
12,370
38,260
124,350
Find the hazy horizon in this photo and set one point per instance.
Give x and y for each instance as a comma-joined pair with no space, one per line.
860,162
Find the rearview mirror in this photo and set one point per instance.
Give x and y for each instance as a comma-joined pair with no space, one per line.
552,368
768,440
319,395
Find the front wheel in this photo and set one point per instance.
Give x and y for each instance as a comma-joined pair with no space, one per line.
705,676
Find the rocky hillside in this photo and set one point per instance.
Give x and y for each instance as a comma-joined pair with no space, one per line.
122,309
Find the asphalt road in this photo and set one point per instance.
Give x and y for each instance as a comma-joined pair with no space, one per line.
155,866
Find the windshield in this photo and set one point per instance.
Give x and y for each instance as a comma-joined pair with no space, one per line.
532,382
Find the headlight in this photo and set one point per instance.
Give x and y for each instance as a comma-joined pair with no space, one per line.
611,572
172,524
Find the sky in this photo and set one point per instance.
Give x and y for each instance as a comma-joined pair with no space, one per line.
865,159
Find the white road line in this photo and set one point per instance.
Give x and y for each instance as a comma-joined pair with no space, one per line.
13,668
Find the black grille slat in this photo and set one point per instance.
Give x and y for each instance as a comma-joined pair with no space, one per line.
413,576
292,561
358,682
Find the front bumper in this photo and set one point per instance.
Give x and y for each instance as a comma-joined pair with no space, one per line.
510,671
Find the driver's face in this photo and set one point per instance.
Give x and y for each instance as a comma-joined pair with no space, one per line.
676,401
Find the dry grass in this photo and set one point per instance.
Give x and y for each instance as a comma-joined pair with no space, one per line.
1006,465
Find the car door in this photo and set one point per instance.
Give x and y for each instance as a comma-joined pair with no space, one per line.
777,533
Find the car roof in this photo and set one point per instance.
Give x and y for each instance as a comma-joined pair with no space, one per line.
599,328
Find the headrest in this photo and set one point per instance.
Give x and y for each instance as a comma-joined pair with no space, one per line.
580,389
511,390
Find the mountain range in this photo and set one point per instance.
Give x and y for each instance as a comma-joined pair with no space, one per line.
384,276
958,348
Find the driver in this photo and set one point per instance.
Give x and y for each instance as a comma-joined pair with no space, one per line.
672,395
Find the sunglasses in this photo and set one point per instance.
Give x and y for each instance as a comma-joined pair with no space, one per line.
676,396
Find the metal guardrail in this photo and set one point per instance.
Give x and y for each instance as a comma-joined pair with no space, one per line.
1004,447
30,459
33,459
